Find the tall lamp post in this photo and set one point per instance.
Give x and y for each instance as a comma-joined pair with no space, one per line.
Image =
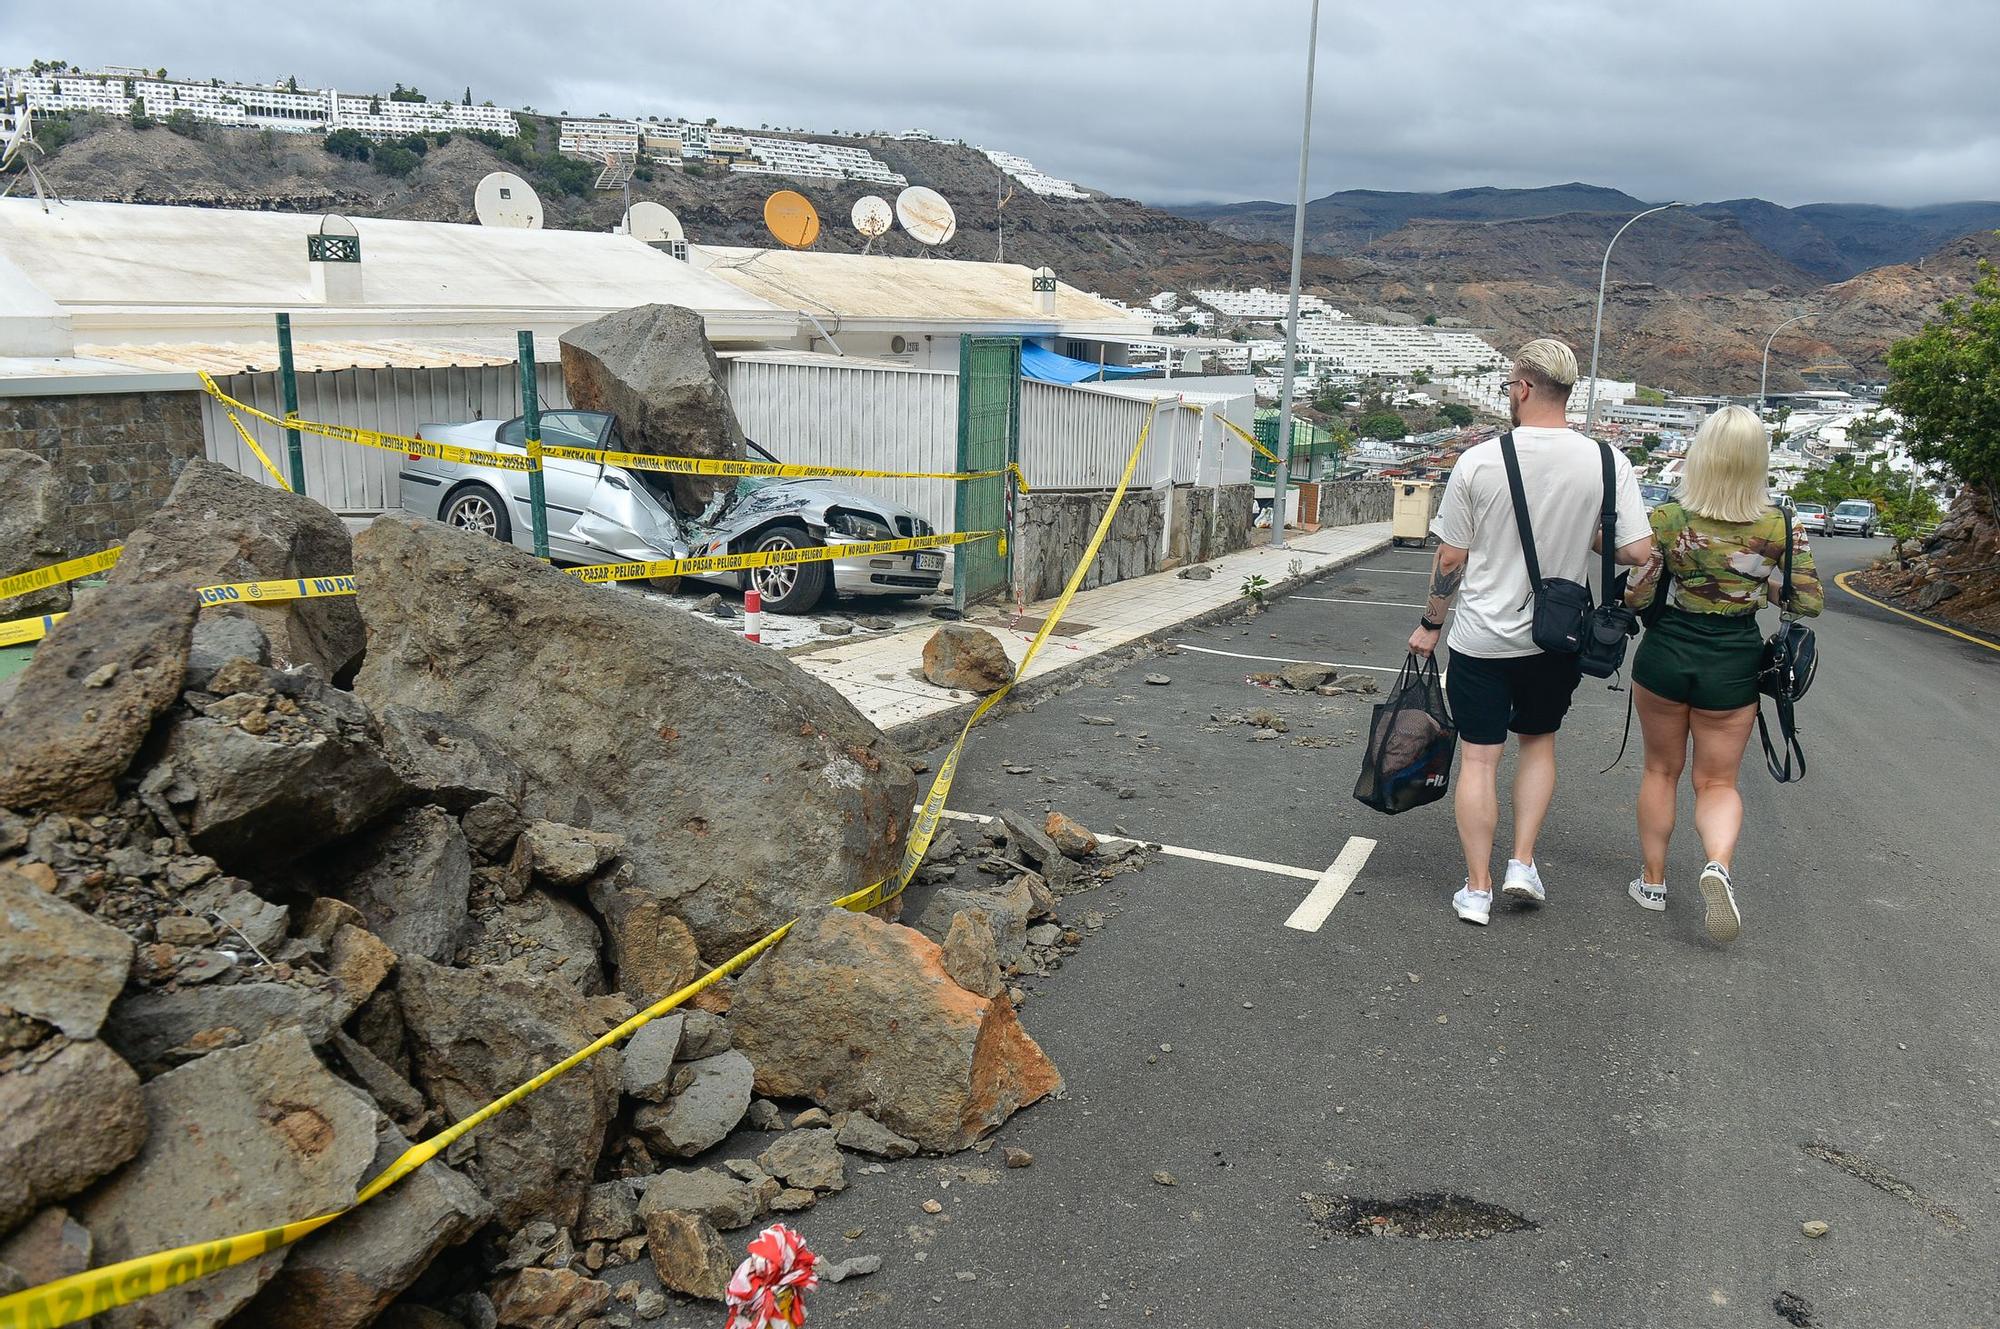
1764,377
1597,330
1281,473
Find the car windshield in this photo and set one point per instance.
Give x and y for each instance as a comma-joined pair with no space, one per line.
574,429
1814,508
1655,493
750,484
1854,509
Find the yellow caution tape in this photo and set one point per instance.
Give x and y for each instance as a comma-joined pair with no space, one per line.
56,573
770,558
374,438
239,592
251,443
27,629
79,1296
1246,436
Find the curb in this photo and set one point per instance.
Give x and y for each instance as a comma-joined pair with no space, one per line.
915,736
1841,580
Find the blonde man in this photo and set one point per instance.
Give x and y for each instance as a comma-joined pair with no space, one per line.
1499,681
1695,676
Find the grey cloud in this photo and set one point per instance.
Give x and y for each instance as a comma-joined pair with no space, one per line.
1791,100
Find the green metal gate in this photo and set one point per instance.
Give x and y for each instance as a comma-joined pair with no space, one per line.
989,438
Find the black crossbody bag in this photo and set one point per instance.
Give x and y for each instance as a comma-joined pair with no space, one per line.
1784,673
1567,621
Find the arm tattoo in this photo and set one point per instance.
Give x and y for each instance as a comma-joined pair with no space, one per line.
1444,585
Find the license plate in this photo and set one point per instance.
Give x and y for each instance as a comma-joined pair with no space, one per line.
930,562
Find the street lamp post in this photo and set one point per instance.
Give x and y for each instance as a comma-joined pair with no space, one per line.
1764,378
1597,330
1281,473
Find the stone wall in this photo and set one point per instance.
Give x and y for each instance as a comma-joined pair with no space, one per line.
1356,502
116,454
1205,529
1051,530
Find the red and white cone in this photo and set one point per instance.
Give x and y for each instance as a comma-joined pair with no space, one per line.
753,615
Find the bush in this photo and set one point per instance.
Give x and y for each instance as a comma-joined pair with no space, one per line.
182,122
1457,414
141,120
349,143
1382,424
395,159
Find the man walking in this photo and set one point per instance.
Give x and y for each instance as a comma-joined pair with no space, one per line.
1497,680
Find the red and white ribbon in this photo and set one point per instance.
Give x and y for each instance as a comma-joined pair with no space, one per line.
768,1291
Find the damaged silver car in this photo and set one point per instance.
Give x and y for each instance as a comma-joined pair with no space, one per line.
605,514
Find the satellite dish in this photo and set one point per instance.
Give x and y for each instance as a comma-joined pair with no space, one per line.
872,216
926,216
653,223
505,199
790,217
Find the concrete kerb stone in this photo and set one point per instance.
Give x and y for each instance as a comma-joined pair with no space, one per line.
933,731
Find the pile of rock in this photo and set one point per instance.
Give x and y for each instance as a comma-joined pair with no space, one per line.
1326,680
263,929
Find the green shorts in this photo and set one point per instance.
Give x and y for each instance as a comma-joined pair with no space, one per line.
1707,661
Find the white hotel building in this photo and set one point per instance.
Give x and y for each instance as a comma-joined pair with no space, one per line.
249,105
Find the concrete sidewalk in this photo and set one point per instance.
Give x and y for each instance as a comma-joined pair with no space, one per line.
883,675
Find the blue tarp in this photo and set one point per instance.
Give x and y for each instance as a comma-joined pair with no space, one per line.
1048,367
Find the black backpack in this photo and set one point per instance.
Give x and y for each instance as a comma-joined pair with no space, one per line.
1784,673
1566,620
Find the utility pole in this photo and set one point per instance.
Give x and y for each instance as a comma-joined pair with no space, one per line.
288,379
1281,473
531,420
1597,330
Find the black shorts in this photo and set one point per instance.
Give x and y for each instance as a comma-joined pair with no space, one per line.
1528,694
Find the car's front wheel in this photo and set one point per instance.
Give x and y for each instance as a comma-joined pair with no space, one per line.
476,508
789,588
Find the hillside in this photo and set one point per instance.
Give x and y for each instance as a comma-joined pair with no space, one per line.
1693,293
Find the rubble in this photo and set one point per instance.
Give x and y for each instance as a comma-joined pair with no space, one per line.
31,531
58,965
711,1096
725,1201
808,1160
411,880
967,659
688,1254
70,1112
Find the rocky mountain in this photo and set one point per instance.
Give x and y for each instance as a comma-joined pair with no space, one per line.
1693,292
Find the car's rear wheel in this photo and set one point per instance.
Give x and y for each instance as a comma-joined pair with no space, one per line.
789,588
477,509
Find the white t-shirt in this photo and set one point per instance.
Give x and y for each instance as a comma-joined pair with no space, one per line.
1563,478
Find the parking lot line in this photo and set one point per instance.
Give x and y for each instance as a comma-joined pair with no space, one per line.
1332,885
1330,600
1283,659
1181,851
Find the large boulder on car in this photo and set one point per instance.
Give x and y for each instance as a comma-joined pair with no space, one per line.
746,790
31,531
220,527
652,367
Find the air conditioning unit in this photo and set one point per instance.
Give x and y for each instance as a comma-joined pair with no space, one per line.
898,345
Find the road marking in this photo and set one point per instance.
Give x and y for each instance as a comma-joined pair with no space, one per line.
1332,885
1841,582
1400,572
1179,851
1329,600
1282,659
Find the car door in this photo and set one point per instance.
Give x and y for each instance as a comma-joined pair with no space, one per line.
566,484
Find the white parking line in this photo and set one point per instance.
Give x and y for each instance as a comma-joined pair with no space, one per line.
1178,851
1283,659
1332,885
1400,572
1329,600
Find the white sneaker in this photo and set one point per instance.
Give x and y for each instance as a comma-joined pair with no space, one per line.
1724,920
1523,882
1646,895
1473,906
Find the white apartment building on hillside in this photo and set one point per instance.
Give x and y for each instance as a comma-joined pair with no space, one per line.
674,142
1034,181
249,105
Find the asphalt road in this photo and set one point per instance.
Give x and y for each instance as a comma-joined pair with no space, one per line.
1651,1117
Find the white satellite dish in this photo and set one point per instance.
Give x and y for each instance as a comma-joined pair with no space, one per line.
505,199
926,216
872,216
653,223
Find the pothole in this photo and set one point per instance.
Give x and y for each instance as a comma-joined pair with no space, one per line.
1427,1216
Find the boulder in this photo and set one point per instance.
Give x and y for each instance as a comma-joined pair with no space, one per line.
653,368
568,855
651,951
242,1139
88,698
727,1202
1006,910
31,531
1069,837
860,1132
158,1028
477,1033
746,790
808,1160
610,1214
688,1254
967,659
705,1034
49,1246
648,1061
57,964
70,1112
265,766
858,1014
548,1299
446,762
711,1096
342,1276
411,878
222,635
217,526
970,955
1305,677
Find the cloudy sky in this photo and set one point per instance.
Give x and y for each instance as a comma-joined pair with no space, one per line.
1177,100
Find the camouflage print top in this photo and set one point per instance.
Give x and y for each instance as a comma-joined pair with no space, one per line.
1725,567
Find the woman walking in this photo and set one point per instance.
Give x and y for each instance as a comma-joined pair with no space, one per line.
1720,549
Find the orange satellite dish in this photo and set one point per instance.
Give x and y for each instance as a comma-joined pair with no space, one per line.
790,217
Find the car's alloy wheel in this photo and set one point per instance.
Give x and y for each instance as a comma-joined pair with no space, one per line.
792,588
477,510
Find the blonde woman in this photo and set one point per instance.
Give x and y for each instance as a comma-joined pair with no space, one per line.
1721,549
